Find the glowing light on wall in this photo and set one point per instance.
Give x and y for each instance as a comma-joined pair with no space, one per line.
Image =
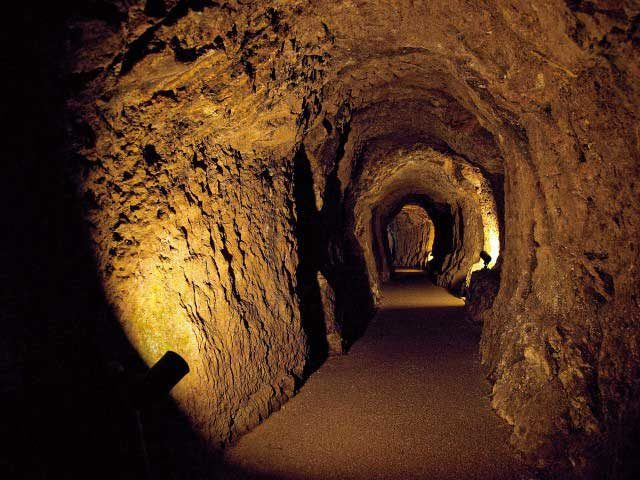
492,241
491,246
154,325
490,227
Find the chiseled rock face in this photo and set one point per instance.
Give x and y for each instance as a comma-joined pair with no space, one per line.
186,122
411,234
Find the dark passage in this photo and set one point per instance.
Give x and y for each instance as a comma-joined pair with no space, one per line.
409,401
308,233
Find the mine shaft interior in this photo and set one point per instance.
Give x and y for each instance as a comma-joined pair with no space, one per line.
410,236
320,239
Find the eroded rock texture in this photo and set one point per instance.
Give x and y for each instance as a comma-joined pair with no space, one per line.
410,235
228,152
391,178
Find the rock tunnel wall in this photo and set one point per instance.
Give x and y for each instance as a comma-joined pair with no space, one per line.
410,236
384,183
186,121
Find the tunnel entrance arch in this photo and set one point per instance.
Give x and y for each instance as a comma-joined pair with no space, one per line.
465,207
410,235
441,244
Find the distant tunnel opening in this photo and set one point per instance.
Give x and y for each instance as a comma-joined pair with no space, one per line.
410,236
417,233
456,198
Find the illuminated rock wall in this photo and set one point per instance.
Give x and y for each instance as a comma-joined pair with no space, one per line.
187,120
191,207
411,234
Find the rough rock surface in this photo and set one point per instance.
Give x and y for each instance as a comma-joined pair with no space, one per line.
481,292
410,235
193,121
390,178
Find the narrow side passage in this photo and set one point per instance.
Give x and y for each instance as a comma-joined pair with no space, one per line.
409,401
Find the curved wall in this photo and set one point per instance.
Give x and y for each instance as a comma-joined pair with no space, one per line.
184,129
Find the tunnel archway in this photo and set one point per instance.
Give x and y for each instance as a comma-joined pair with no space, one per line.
185,130
441,237
450,189
443,242
409,238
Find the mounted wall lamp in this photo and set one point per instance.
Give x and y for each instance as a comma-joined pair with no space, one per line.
159,380
137,395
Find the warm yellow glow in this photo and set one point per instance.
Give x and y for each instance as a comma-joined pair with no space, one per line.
479,265
411,235
491,245
488,213
154,325
492,241
158,326
422,294
408,270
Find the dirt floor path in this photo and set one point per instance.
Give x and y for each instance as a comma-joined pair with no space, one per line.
408,402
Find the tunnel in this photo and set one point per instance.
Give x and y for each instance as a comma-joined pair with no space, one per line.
409,239
387,240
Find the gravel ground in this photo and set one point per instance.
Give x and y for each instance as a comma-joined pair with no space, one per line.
409,401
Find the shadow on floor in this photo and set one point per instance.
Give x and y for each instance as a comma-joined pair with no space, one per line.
408,401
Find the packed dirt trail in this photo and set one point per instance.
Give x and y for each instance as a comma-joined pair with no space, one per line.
409,401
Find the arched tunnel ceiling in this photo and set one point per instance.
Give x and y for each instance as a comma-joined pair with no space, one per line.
435,120
183,128
390,177
431,118
363,71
